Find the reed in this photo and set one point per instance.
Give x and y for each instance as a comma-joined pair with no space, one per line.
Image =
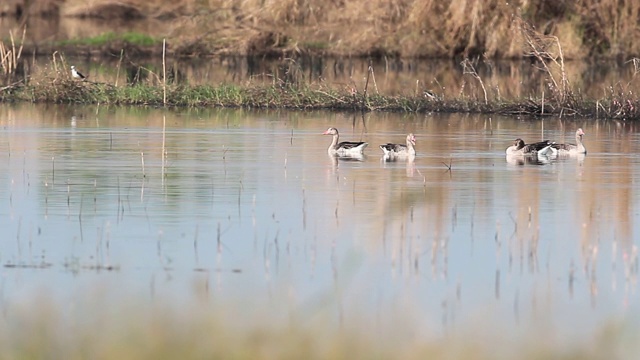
10,56
431,28
290,90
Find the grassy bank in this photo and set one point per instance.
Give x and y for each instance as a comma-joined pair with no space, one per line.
408,28
292,89
313,96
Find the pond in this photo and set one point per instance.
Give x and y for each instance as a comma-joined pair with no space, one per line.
246,212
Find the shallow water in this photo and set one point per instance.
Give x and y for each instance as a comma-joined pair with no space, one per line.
247,208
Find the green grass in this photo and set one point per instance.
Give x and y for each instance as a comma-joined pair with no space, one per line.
310,97
132,38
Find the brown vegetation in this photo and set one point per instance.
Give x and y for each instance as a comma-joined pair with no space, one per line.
409,28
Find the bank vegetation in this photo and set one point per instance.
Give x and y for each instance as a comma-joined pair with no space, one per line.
588,29
292,90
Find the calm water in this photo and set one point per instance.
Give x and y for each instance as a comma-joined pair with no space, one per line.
246,211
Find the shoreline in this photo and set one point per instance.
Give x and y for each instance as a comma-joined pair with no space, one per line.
304,97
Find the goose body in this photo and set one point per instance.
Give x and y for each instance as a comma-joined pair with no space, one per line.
407,149
568,149
345,147
520,148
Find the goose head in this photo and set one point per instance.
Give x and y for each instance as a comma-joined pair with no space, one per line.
331,131
411,139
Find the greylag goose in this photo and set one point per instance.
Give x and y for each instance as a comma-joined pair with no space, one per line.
567,149
400,149
345,147
520,148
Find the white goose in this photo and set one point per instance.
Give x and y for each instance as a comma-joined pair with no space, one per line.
520,148
567,149
344,148
401,150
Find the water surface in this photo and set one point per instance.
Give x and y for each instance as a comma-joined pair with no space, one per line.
247,211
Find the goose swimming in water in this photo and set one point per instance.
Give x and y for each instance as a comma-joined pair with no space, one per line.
520,148
345,147
568,149
390,149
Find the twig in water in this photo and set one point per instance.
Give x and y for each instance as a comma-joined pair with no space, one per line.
195,244
80,217
224,152
449,165
164,132
142,158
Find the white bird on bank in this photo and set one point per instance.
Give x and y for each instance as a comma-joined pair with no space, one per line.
76,74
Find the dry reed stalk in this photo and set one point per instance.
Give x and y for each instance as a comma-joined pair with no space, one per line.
119,65
9,58
469,69
366,86
541,48
164,72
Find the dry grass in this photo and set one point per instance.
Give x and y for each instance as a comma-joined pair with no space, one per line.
10,55
95,328
425,28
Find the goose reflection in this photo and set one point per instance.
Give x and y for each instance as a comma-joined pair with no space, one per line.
408,159
346,158
349,157
390,157
521,160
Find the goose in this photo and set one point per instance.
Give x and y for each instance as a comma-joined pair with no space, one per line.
390,149
76,74
520,148
567,149
345,147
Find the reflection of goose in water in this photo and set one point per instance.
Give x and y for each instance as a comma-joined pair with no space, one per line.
567,149
345,148
401,150
530,159
335,159
348,157
409,160
390,157
520,148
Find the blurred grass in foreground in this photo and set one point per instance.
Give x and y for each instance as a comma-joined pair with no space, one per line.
40,329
